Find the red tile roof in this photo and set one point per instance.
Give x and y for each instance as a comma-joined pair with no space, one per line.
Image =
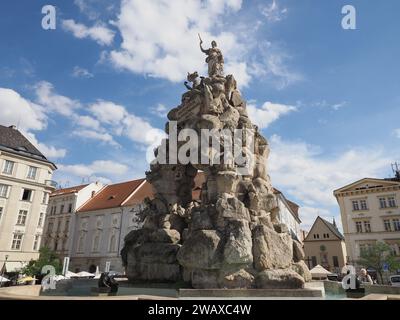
111,196
144,191
68,190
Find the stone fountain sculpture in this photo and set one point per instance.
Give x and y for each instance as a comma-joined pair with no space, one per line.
229,238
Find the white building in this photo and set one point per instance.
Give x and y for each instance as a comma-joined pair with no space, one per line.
102,224
288,213
370,212
61,214
25,185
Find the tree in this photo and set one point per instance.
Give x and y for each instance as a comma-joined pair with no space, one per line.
376,256
46,258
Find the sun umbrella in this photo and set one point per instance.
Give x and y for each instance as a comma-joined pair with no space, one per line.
97,273
2,279
70,274
84,274
319,272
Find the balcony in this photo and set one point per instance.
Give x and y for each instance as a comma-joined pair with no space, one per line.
51,184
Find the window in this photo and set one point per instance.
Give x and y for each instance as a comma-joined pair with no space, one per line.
382,203
45,197
21,220
359,226
32,171
66,228
3,191
96,242
367,226
81,242
313,261
356,207
36,242
363,204
388,226
112,244
50,227
1,212
8,167
61,209
392,202
335,261
58,225
26,195
70,208
316,236
17,241
396,224
40,222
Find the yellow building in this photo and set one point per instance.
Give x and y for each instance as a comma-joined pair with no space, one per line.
370,213
324,245
25,185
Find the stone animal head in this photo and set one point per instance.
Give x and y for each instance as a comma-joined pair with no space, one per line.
191,77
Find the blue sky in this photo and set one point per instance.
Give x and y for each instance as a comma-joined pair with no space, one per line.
93,93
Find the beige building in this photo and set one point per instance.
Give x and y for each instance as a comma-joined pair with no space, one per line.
324,245
61,215
370,212
25,185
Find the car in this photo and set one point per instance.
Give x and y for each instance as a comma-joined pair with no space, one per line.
394,281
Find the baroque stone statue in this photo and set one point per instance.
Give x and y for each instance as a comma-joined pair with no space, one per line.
215,59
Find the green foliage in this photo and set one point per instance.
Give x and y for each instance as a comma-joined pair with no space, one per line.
46,258
377,256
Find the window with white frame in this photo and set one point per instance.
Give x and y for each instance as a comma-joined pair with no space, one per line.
22,215
396,224
392,202
4,190
359,227
17,241
356,207
45,197
363,204
382,203
367,226
40,222
387,225
36,242
32,171
27,195
8,167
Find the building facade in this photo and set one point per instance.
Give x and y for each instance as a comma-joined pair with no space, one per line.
288,213
102,224
61,215
25,186
370,212
325,245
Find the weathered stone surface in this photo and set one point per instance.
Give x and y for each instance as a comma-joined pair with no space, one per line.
281,228
157,253
298,251
279,279
230,207
164,236
204,279
159,272
271,250
201,221
202,250
238,248
236,280
301,268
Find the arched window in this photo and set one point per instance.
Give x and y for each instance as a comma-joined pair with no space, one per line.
96,242
81,242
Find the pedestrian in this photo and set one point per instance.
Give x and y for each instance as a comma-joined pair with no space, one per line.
365,277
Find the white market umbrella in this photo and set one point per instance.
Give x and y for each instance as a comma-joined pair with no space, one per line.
3,279
70,274
319,272
97,274
84,274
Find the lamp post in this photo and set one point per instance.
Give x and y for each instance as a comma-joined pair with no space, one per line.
3,269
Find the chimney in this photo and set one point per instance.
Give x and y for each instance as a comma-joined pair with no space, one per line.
13,127
93,193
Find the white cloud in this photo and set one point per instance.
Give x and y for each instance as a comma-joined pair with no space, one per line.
303,171
160,110
79,72
99,32
160,37
50,152
309,214
268,113
98,167
108,112
54,102
16,110
273,12
95,135
88,122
